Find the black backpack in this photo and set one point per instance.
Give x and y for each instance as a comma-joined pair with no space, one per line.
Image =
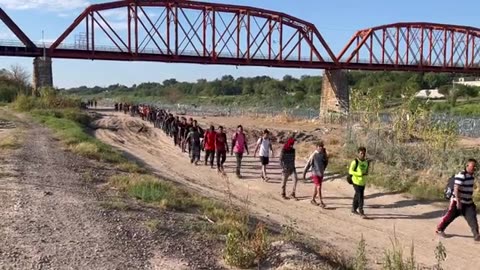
448,191
349,176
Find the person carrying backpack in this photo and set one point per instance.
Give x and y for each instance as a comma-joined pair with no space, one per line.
461,201
358,171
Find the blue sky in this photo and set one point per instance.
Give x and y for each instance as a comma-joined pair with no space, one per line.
337,21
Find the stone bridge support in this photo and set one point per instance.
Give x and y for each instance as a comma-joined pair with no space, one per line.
335,98
42,73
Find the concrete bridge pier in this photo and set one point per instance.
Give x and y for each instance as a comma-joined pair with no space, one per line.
335,98
42,73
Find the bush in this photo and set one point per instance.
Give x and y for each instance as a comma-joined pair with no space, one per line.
395,259
244,250
87,149
361,258
25,103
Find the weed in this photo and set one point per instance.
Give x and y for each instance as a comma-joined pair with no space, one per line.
88,176
244,250
115,205
290,231
10,142
361,257
152,224
87,149
130,167
440,255
395,259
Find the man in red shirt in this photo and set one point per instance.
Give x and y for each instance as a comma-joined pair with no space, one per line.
221,147
209,145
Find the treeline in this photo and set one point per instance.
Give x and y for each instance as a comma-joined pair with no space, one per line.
393,84
14,82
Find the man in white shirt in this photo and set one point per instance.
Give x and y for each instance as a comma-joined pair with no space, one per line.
265,146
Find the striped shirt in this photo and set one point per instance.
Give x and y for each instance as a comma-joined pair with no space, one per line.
465,182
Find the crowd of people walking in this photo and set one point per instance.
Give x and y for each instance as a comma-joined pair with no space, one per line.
189,137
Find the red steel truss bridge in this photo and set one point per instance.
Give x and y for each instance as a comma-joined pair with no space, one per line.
177,31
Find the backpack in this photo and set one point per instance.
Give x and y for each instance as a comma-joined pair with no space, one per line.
448,191
349,176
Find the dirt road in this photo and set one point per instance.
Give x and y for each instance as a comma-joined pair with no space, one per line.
391,214
54,215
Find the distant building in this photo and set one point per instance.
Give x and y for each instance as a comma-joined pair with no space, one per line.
470,81
429,94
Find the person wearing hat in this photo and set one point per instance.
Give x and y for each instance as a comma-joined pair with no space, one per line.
287,161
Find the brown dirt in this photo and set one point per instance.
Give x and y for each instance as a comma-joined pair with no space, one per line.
390,214
57,213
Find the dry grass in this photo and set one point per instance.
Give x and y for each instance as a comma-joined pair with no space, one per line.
11,140
86,149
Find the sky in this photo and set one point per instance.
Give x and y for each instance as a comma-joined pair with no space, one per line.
337,21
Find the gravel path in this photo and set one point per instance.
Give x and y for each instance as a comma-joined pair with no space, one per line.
53,218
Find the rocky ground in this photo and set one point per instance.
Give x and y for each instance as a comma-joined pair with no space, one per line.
57,214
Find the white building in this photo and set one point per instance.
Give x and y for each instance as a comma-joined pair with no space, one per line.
468,81
429,94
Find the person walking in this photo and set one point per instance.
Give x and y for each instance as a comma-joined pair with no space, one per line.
359,170
209,146
287,161
265,146
461,203
239,147
195,143
318,161
221,148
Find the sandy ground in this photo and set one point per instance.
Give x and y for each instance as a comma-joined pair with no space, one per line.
389,214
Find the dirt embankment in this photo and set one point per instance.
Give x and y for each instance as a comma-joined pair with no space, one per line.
390,214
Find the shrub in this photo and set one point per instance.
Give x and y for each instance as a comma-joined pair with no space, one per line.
395,259
25,103
361,257
245,250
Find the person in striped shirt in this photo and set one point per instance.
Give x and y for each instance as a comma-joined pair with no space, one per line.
462,203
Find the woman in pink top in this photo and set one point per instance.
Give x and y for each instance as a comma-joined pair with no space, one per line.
239,145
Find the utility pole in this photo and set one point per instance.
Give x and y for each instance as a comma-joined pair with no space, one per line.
43,43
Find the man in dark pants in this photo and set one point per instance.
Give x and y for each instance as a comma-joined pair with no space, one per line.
209,146
462,203
221,147
239,146
359,170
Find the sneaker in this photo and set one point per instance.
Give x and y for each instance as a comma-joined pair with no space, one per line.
293,196
314,202
476,239
441,233
285,197
355,212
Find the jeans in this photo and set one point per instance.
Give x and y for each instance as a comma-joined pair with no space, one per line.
209,155
239,157
287,174
221,157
